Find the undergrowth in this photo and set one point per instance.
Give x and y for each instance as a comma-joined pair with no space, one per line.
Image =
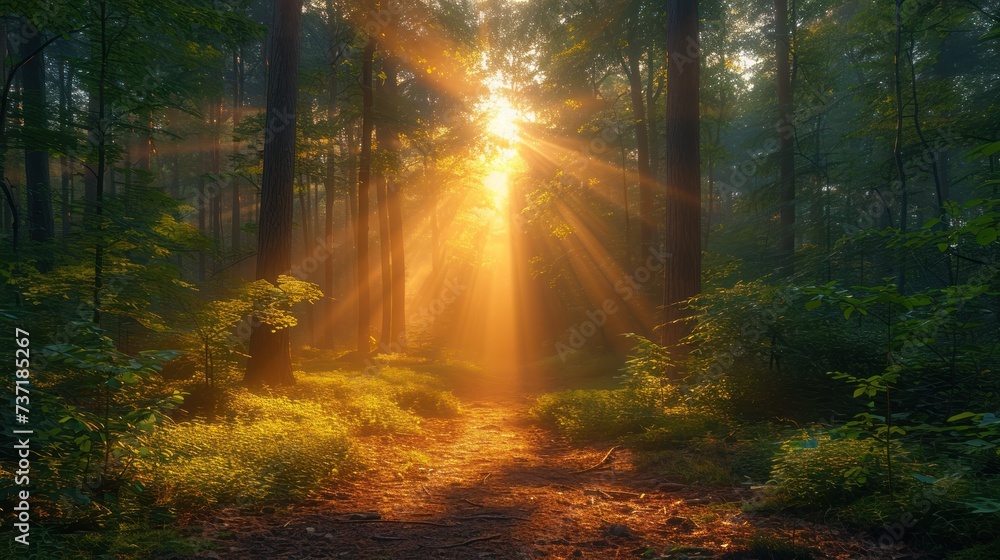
277,446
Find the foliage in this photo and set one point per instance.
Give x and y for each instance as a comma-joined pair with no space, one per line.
278,446
221,326
817,471
271,450
757,350
96,409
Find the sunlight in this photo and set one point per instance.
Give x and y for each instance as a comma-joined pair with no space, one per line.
504,119
497,184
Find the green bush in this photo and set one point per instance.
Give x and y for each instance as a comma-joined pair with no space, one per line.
817,471
272,450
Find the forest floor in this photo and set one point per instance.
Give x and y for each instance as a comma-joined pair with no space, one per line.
492,485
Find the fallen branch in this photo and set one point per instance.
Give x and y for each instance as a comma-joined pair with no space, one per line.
487,516
387,538
601,463
466,543
599,493
414,522
471,503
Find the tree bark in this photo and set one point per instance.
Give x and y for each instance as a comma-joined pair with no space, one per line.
36,156
682,273
633,52
786,136
381,197
364,181
65,84
270,359
234,184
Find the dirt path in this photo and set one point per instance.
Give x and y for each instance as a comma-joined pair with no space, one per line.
494,486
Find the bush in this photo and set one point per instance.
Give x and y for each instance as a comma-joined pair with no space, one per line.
817,471
272,450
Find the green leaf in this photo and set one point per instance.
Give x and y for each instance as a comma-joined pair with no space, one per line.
986,236
813,304
961,416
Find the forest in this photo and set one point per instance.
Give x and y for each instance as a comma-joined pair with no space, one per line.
385,279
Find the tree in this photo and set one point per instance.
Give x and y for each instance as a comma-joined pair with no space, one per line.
270,359
682,273
631,68
786,131
364,182
36,156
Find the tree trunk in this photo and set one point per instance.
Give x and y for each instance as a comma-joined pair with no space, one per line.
364,180
647,224
330,182
100,131
786,132
65,171
215,116
682,274
236,221
398,331
36,156
270,359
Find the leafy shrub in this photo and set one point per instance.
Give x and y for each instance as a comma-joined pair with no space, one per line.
272,450
757,349
819,470
378,415
94,409
404,389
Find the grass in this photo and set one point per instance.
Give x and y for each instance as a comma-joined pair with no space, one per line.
277,446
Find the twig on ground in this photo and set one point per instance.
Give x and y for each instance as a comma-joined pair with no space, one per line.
601,463
426,491
387,538
471,503
599,493
466,543
487,477
411,521
487,516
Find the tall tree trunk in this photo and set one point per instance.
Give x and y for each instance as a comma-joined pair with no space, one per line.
682,273
330,182
100,129
215,117
633,52
65,171
394,317
234,183
786,138
270,359
897,148
364,180
36,156
385,258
